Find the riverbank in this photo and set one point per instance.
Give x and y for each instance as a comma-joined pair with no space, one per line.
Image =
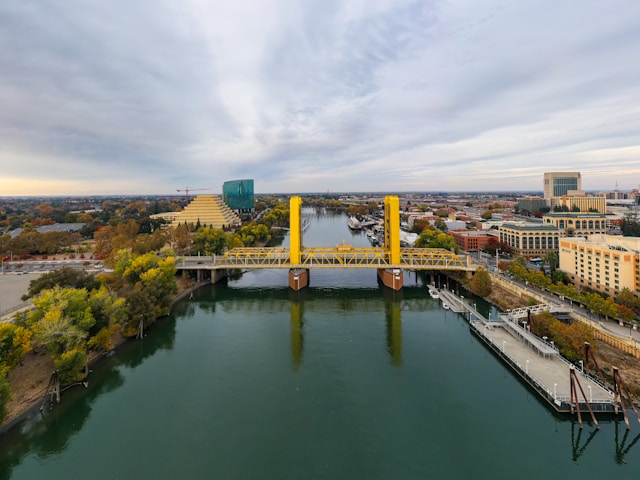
29,379
606,355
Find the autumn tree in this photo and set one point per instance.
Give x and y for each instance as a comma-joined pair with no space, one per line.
627,298
481,283
71,366
15,341
5,393
180,238
568,337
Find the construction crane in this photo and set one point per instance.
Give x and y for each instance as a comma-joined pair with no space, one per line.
186,191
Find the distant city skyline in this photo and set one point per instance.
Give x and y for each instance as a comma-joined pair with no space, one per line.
109,98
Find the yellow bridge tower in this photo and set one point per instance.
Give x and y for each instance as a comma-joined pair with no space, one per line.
391,275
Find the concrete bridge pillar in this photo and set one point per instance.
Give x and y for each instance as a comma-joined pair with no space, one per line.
217,275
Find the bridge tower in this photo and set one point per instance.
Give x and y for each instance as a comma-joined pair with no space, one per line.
295,230
298,277
392,277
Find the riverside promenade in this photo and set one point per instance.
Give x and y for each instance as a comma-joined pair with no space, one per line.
536,361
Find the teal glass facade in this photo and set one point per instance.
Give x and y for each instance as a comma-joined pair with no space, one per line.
238,195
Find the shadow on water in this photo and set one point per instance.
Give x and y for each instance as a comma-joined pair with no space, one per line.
578,448
48,433
622,448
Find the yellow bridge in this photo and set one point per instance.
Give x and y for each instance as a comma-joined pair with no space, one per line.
390,259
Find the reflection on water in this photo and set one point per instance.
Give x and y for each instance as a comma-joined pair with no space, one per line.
297,335
394,331
577,447
345,379
622,448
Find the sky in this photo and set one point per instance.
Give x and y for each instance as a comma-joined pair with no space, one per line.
150,96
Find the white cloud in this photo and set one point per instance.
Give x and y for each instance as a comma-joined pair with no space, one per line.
110,97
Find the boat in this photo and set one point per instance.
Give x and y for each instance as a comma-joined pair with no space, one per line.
433,292
445,305
354,223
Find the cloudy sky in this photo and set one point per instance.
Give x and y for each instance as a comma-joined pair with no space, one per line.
147,96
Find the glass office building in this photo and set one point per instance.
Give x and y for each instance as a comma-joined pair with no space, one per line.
238,195
557,184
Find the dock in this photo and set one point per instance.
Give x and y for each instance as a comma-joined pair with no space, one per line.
535,360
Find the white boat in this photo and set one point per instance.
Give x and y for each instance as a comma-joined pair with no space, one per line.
433,292
354,223
445,305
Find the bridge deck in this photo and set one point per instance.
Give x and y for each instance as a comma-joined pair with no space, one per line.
337,257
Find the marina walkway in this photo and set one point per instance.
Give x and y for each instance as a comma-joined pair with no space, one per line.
534,360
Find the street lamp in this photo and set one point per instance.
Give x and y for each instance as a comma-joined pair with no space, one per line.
581,366
590,394
554,390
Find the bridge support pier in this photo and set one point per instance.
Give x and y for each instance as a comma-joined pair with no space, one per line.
217,275
298,278
391,277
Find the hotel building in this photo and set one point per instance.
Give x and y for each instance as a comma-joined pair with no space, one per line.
606,263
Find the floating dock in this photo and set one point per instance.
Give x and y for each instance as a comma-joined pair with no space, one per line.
564,386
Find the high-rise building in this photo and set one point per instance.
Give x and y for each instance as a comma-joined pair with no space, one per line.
238,195
557,184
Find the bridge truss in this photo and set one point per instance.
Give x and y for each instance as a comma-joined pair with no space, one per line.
341,256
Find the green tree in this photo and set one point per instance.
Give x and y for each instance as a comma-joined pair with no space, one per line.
436,239
66,277
551,259
71,366
139,307
630,227
440,225
209,241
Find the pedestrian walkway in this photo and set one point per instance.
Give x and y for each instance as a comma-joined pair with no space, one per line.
536,361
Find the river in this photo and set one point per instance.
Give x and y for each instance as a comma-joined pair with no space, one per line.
343,380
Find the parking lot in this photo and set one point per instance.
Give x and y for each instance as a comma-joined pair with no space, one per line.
12,287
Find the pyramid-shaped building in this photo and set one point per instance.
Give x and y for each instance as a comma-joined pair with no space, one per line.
210,211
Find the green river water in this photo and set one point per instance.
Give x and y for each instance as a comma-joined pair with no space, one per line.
343,380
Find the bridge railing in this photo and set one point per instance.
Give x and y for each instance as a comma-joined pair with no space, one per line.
333,257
